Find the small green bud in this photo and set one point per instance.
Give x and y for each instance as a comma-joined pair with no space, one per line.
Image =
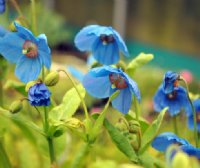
73,123
52,78
180,160
134,126
16,106
121,125
134,141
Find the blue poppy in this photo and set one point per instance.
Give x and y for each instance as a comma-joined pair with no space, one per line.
170,81
39,95
28,52
189,113
104,42
102,82
76,73
175,101
164,140
2,6
191,150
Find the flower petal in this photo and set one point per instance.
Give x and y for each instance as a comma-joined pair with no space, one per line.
44,51
106,54
27,69
76,73
84,40
99,87
25,33
121,44
123,101
11,47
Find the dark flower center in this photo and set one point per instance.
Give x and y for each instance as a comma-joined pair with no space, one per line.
172,95
107,38
30,49
118,81
198,116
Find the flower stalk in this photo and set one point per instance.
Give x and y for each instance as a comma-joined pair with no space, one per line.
33,14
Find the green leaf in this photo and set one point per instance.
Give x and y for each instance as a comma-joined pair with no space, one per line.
69,105
139,61
4,160
18,86
121,141
152,131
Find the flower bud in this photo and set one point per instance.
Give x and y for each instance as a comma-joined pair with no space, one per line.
20,20
134,141
180,160
73,123
16,106
29,84
134,126
52,78
122,126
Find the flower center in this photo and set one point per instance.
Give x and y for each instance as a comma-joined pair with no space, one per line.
172,95
106,39
198,116
175,83
30,49
118,81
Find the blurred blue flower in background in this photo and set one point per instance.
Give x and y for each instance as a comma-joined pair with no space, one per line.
39,95
164,140
104,43
189,113
28,52
102,82
170,81
2,6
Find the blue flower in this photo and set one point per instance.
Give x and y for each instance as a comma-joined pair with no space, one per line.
175,101
39,95
102,82
76,73
191,150
104,43
28,52
189,113
164,140
2,6
170,81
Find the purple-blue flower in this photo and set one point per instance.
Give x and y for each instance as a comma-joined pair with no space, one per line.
170,81
189,113
164,140
102,82
28,52
191,150
39,95
175,101
104,42
2,6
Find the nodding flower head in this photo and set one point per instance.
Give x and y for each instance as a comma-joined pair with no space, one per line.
102,82
170,81
104,42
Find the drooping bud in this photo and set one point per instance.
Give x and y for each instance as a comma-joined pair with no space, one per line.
16,106
52,78
29,84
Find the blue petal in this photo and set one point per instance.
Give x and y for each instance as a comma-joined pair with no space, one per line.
196,104
2,6
191,151
25,33
84,40
76,73
11,47
90,60
105,54
3,31
44,51
99,30
27,69
133,86
103,71
121,44
99,87
123,101
162,141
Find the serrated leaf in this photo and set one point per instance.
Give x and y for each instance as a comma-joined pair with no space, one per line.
18,86
139,61
152,131
69,105
120,141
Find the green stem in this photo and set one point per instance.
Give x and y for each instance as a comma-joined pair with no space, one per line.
79,94
175,124
137,109
80,156
33,13
1,93
193,112
16,6
51,151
